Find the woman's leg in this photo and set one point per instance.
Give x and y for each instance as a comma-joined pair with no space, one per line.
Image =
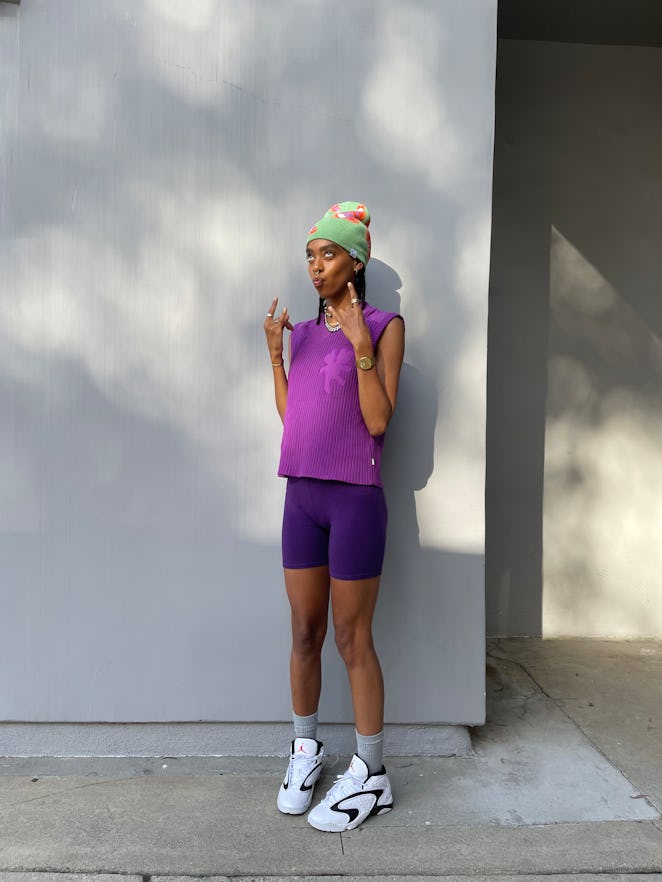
353,604
364,789
308,593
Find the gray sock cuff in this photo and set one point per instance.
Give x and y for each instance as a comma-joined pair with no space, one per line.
371,750
305,727
370,739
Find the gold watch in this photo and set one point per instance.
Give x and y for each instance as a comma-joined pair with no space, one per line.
366,362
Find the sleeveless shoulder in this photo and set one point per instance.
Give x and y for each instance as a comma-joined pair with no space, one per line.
377,320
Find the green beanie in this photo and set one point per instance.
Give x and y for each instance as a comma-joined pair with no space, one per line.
346,224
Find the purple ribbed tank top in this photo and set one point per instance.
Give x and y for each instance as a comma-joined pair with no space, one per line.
324,435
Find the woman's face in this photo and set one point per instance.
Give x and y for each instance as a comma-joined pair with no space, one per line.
330,267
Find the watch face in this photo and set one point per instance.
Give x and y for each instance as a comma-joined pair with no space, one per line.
365,362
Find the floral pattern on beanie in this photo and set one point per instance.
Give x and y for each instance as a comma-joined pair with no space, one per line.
357,215
346,224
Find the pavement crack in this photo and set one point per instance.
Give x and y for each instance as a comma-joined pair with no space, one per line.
560,704
55,793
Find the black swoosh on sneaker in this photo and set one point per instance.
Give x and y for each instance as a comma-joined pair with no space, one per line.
352,813
306,786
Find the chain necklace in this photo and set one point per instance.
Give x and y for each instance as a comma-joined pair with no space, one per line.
332,328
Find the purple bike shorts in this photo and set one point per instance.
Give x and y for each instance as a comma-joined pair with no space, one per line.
335,524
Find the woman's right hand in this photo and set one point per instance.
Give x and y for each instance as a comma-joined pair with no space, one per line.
273,328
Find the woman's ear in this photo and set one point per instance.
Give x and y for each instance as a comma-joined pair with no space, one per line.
358,266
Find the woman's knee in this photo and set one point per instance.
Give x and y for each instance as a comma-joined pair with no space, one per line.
308,637
353,644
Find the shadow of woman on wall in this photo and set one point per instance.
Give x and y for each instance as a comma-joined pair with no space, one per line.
408,458
427,608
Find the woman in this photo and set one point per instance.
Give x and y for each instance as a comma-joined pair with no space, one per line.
335,406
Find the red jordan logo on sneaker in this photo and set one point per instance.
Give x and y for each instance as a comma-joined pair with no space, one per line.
301,750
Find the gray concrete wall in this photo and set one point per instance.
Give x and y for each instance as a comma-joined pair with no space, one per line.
160,166
574,484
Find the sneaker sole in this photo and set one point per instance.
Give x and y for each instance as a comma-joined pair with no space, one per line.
351,825
294,811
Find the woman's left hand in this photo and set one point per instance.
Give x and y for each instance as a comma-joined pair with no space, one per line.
352,323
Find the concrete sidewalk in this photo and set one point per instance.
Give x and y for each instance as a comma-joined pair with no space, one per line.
566,778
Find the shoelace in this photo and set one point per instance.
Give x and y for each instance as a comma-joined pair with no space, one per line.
345,785
300,766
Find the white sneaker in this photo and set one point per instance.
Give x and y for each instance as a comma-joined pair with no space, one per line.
296,791
355,796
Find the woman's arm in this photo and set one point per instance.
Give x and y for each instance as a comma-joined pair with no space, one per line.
378,387
273,329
